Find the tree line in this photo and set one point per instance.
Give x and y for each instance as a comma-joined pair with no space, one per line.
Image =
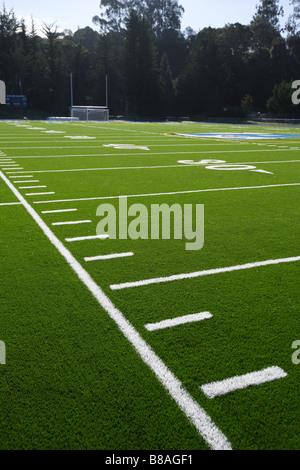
153,67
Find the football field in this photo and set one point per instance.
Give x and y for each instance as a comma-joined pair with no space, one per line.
136,342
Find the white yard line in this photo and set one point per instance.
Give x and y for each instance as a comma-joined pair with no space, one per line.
232,384
21,176
182,165
58,211
111,256
32,187
10,203
194,412
207,272
39,194
73,222
26,181
170,323
88,237
193,191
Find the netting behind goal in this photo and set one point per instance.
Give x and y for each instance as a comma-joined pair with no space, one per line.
90,113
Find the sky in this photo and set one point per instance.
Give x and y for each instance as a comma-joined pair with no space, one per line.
71,14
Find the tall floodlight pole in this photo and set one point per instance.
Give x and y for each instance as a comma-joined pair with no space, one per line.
106,82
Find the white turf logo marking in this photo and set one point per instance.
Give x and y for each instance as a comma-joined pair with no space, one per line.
223,387
215,439
127,146
222,165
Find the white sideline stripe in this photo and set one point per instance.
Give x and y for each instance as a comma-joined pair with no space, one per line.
12,168
72,222
111,256
10,203
194,412
195,317
193,191
39,194
31,187
58,211
232,384
90,237
179,277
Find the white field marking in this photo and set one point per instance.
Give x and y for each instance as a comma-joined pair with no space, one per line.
78,137
195,317
39,194
169,193
58,211
27,181
10,203
227,166
232,384
215,439
53,132
207,272
13,168
31,187
89,237
73,222
21,176
111,256
214,152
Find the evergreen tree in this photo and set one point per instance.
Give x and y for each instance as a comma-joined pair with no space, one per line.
141,78
293,23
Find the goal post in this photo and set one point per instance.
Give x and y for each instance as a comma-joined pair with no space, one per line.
90,113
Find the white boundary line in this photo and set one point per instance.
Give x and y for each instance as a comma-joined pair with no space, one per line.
194,317
192,191
232,384
195,413
179,277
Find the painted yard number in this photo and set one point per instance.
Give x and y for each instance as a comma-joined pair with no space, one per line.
222,165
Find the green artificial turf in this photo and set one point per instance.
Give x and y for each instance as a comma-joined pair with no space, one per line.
71,379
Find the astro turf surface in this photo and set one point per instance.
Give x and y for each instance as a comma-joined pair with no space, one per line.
81,369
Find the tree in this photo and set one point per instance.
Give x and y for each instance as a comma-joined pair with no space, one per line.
201,86
8,49
281,100
293,23
160,14
268,12
141,78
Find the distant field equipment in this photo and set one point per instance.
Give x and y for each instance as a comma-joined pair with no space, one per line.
90,113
